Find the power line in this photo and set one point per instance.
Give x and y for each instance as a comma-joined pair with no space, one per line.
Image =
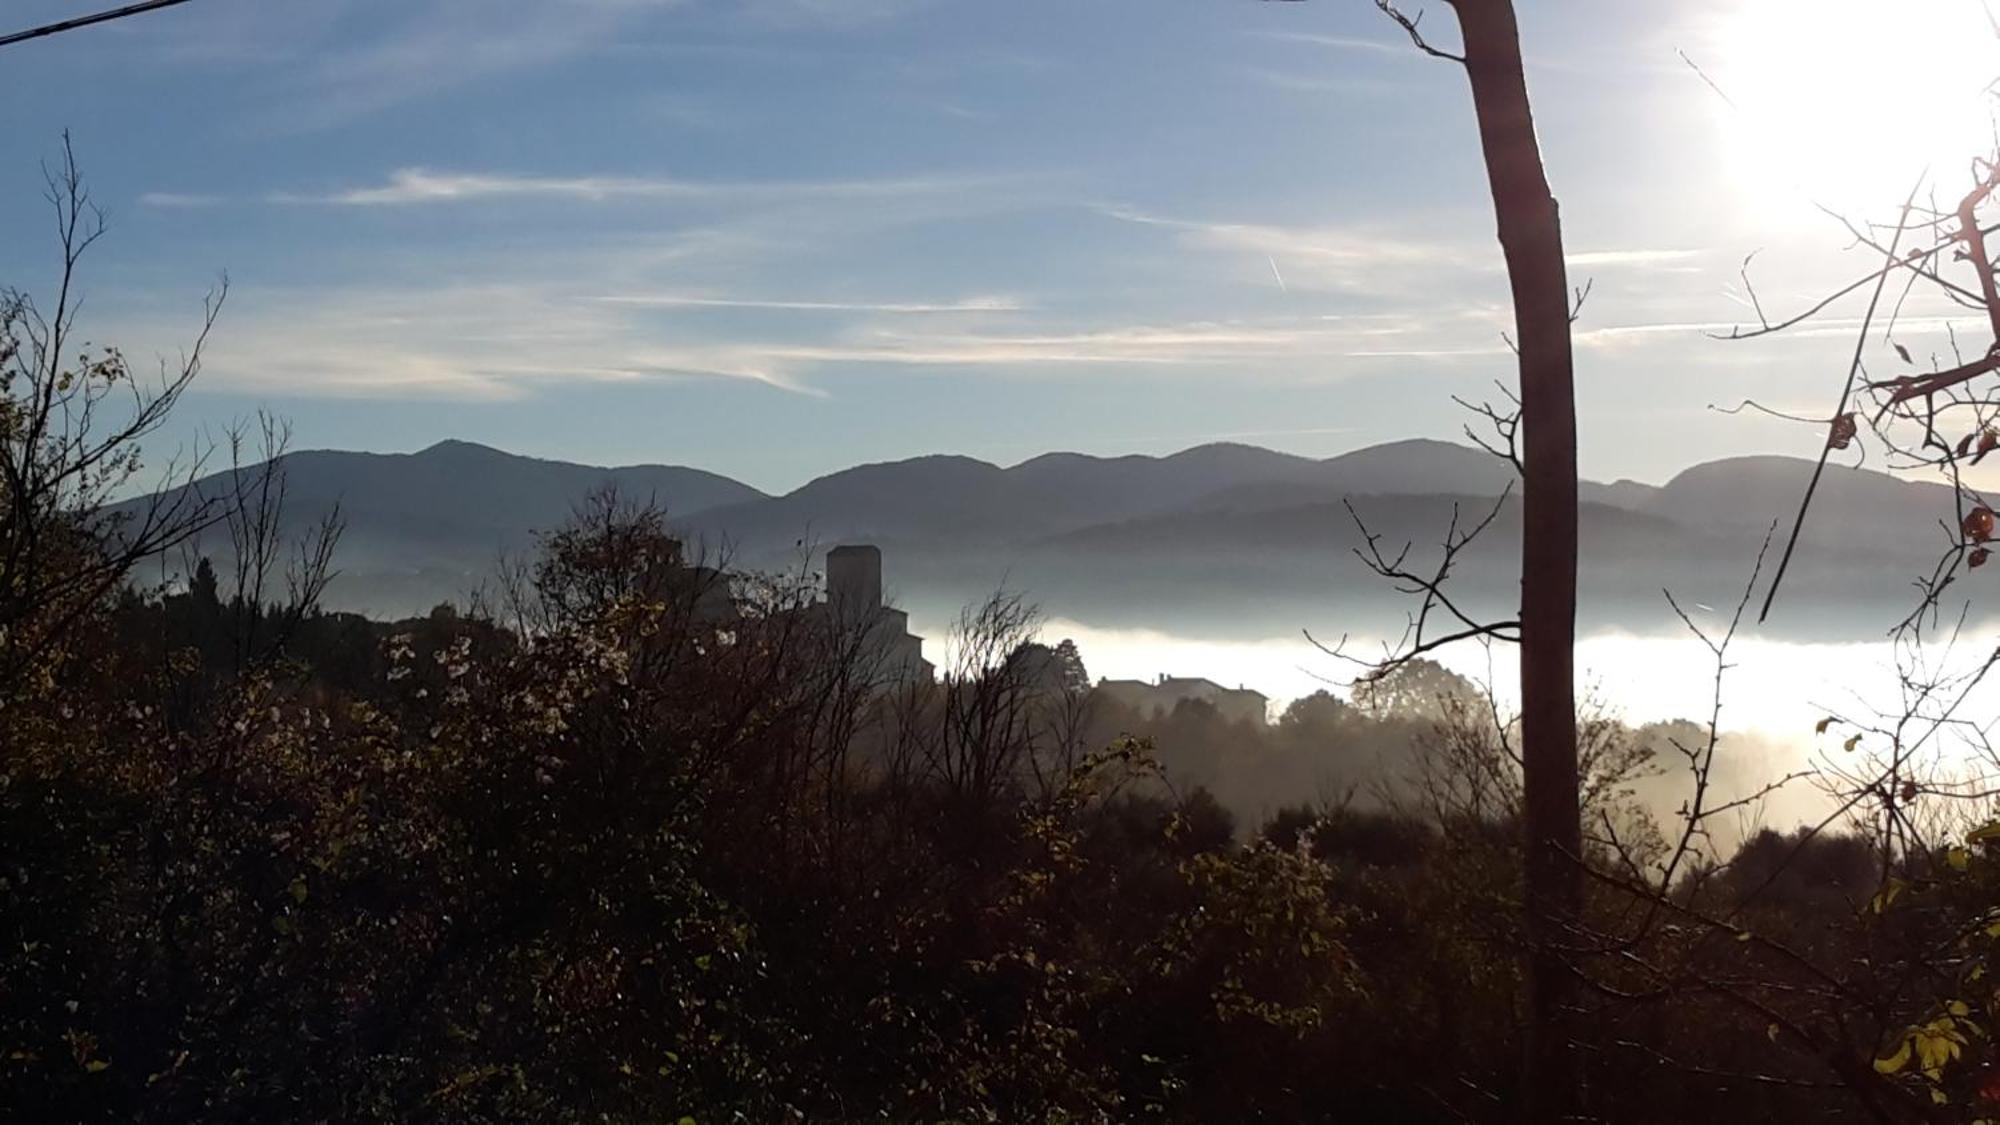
86,21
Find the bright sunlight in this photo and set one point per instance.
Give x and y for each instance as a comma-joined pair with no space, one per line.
1847,102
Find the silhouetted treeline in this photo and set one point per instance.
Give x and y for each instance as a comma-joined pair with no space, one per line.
626,859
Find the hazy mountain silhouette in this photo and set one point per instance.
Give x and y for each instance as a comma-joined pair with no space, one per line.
1224,533
969,501
425,526
1271,550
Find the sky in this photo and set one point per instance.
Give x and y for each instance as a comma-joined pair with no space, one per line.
774,238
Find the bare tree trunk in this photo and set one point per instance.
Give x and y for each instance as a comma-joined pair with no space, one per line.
1531,237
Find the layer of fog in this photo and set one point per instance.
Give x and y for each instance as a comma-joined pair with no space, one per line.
1774,695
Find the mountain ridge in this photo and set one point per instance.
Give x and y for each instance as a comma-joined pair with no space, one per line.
427,526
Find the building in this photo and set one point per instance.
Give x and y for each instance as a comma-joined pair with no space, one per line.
1155,700
885,646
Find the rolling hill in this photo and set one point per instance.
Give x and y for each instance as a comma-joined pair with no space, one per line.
1220,532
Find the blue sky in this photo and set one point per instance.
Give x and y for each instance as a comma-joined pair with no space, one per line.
777,237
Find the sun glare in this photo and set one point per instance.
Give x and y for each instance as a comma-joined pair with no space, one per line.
1846,102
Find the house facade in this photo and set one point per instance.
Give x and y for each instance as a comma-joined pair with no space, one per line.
1158,699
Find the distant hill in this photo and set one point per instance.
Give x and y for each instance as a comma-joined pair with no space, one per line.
430,525
973,502
1227,533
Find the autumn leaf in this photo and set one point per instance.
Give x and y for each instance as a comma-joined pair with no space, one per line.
1894,1063
1820,727
1978,524
1887,896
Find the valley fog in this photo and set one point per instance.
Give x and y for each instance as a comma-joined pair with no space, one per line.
1774,694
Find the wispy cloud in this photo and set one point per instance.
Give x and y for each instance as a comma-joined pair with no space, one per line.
671,300
1616,333
347,59
1321,257
1322,83
420,186
178,199
488,342
1384,46
518,339
1268,344
412,186
1429,353
428,48
1587,258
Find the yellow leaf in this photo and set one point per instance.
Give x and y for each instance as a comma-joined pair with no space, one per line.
1981,835
1890,1064
1957,858
1887,896
1938,1043
1771,1033
1958,1008
96,1066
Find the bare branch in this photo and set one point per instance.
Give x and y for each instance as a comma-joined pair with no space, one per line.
1411,26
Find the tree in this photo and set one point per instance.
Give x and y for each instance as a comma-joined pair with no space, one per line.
1413,689
1075,679
1530,232
203,589
72,420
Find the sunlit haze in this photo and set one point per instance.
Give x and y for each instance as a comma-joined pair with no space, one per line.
1851,102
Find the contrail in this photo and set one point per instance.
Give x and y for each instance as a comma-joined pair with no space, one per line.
1276,274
